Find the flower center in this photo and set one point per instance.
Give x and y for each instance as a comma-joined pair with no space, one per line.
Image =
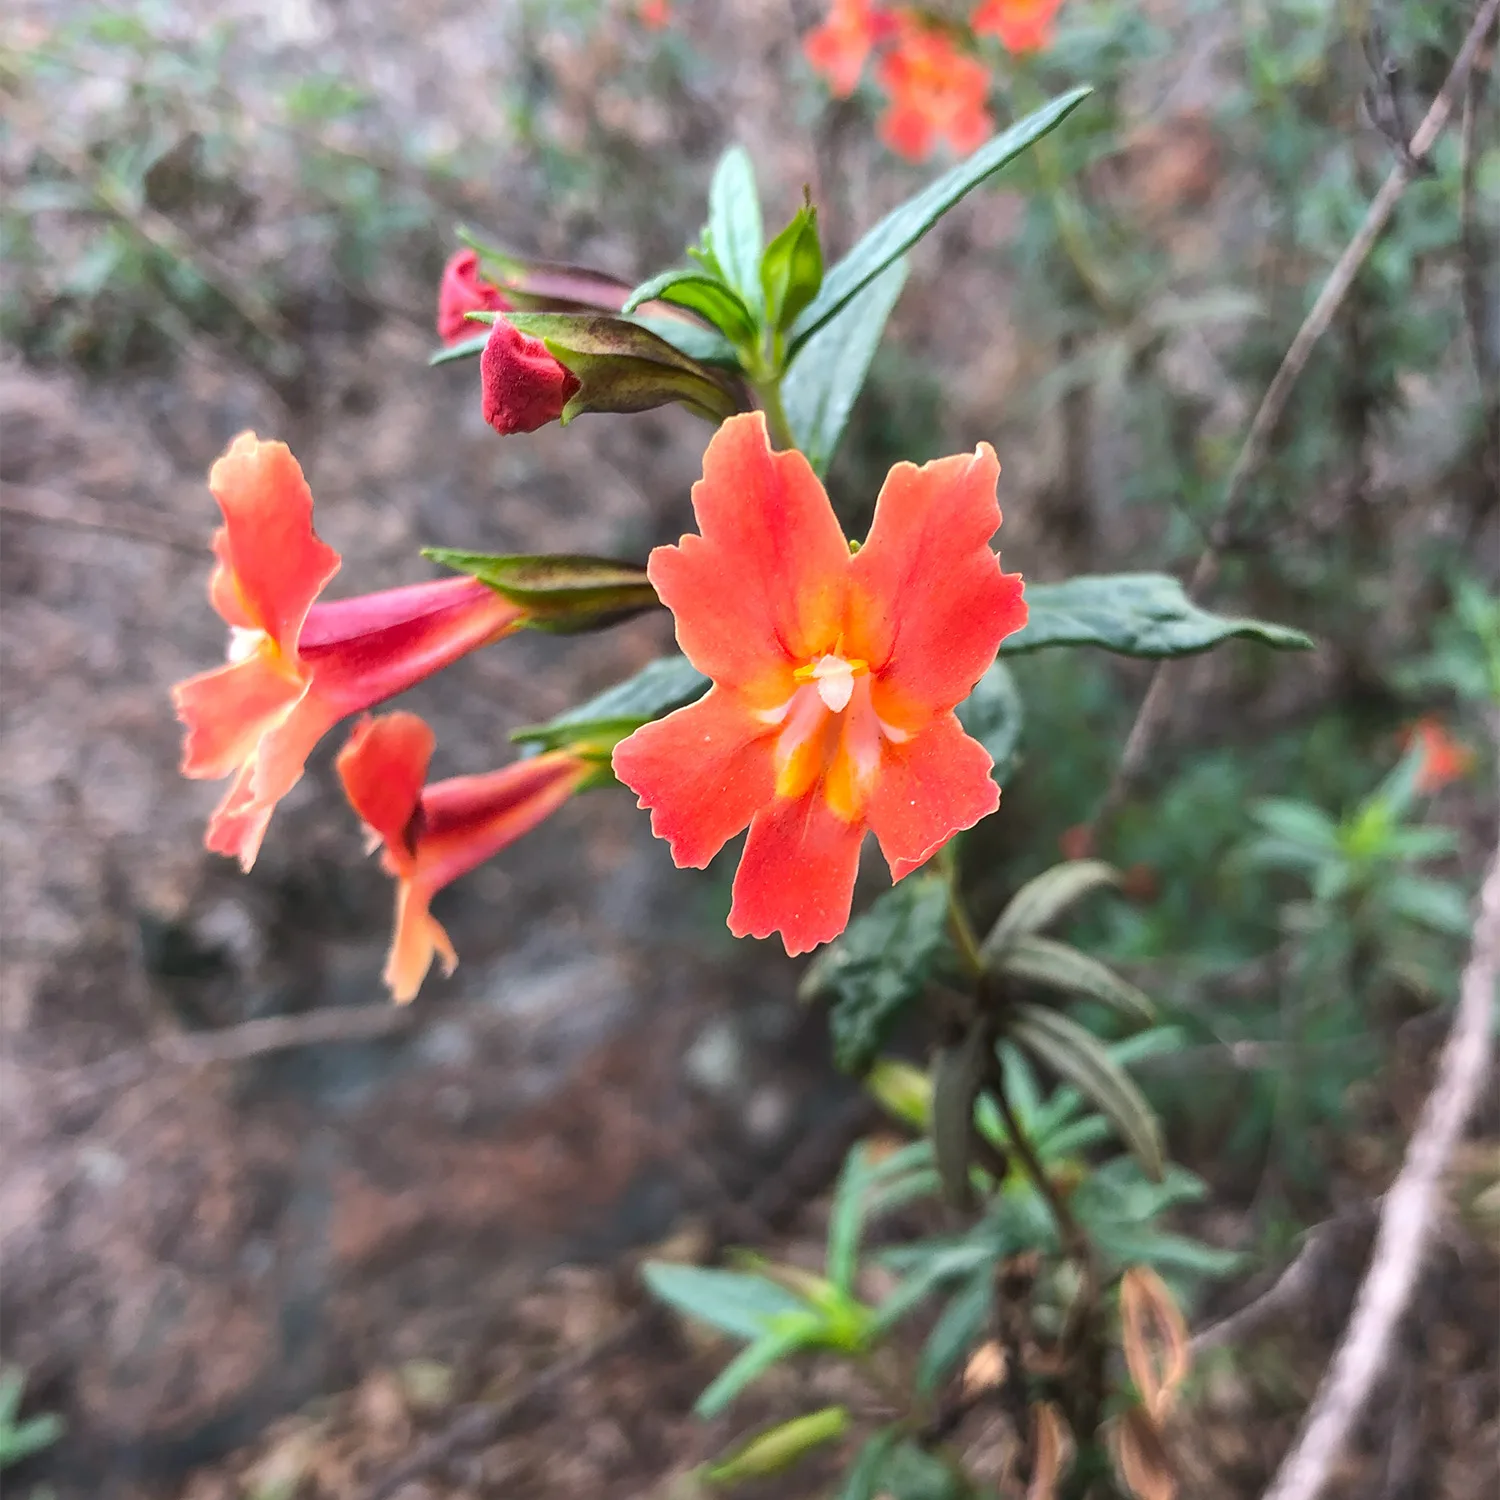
834,675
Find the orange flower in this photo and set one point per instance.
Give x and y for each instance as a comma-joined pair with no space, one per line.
655,15
840,47
937,94
464,290
1020,25
296,667
834,677
433,834
1444,759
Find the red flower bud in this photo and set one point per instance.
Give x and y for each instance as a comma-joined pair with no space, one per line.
464,290
524,386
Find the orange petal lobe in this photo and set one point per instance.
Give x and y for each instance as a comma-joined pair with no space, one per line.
228,709
930,605
418,939
763,589
930,787
797,873
703,771
383,768
276,560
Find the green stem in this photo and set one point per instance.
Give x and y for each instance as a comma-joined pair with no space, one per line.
769,392
958,917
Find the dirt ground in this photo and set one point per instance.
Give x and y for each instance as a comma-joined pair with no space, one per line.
278,1277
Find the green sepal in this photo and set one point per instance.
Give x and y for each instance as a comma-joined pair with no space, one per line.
561,594
791,270
669,683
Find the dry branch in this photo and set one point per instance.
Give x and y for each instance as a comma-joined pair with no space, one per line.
1408,1217
1152,714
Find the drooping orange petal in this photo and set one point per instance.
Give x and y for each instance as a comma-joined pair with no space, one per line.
796,876
930,605
238,824
930,787
703,771
276,560
418,938
383,767
228,709
763,589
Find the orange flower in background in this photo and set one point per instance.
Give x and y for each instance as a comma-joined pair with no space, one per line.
433,834
296,667
841,46
1444,759
834,677
523,386
938,94
1020,25
463,290
654,15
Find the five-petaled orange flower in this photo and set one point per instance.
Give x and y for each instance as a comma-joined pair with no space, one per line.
938,93
463,290
295,667
433,834
1021,25
1444,759
834,676
840,47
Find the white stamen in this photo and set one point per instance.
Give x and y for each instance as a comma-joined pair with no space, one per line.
244,642
835,679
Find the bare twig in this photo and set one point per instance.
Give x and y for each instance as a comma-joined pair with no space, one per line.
231,1044
1151,715
119,518
1323,1246
1408,1217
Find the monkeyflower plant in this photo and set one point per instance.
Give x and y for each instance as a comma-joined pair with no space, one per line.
824,689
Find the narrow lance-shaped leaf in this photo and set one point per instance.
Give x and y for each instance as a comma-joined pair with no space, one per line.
1043,961
669,683
779,1447
1136,614
797,1333
562,593
1042,900
745,1306
895,234
734,224
957,1072
703,294
825,379
1079,1058
961,1323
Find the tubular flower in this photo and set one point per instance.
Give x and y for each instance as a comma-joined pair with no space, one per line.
464,290
840,47
938,93
834,677
1444,759
524,385
433,834
296,667
1019,25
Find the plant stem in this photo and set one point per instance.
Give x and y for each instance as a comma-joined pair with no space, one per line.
769,393
958,916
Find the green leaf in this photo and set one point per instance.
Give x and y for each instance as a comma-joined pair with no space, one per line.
562,593
779,1447
1435,904
1300,822
957,1071
825,379
703,294
845,1219
745,1306
993,715
734,226
1417,844
29,1437
1040,960
467,349
961,1324
1079,1058
753,1362
668,683
878,967
791,270
946,1265
623,367
1136,614
1041,901
706,345
912,1473
900,229
865,1473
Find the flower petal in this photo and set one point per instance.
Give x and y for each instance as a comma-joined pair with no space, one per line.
227,710
276,561
383,768
929,788
797,873
704,771
930,605
418,939
523,386
763,589
239,822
